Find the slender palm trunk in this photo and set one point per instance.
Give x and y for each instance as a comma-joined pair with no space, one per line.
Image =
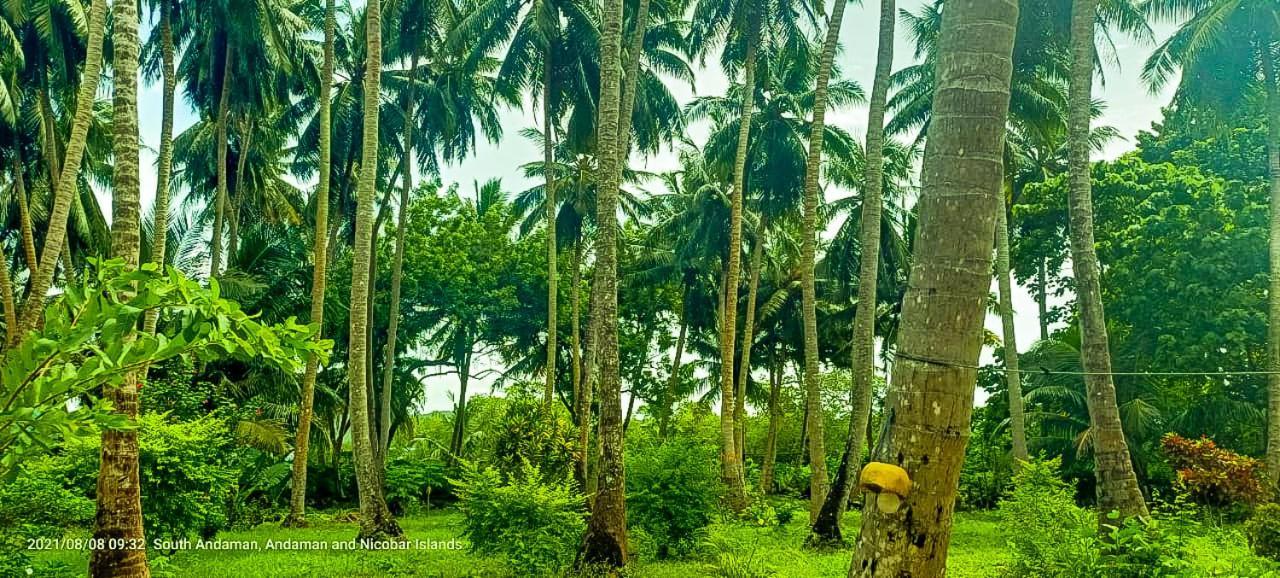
48,130
319,257
237,197
669,394
575,354
10,309
220,203
1117,485
1042,299
605,542
775,419
553,277
931,396
160,232
460,412
586,481
24,210
66,189
826,528
119,496
375,520
1273,301
731,472
1013,375
748,339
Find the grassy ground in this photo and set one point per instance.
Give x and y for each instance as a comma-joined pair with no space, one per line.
977,551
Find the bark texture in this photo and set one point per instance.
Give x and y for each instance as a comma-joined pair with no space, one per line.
1117,485
1013,375
66,189
931,394
319,257
553,277
605,542
119,493
164,170
376,522
221,201
1273,298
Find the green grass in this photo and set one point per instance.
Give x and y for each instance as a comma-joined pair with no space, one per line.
977,551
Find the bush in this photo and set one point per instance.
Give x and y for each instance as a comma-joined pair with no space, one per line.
527,433
33,506
1214,476
536,524
790,479
410,483
672,492
1263,531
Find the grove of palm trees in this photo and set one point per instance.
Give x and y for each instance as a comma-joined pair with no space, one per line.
649,288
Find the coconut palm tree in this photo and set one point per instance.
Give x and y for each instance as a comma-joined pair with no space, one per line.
1223,49
119,495
69,175
375,519
605,542
941,329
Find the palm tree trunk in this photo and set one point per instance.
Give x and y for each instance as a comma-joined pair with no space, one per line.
160,232
731,465
583,449
10,309
575,325
319,256
1042,300
748,338
66,188
669,394
49,130
1117,485
1273,300
775,419
460,413
24,211
1013,375
931,396
605,542
397,263
220,203
237,198
119,496
376,522
553,278
826,527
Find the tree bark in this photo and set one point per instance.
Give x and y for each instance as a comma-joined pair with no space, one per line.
586,482
10,309
119,495
1273,298
1117,486
826,527
1013,375
553,277
160,232
605,542
748,339
731,472
237,198
319,256
460,413
220,203
775,419
376,522
931,395
1042,299
66,189
24,210
669,394
575,325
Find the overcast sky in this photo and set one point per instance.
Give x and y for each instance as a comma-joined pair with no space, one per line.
1130,109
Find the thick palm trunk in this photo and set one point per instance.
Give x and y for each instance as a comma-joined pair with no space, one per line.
1273,301
731,472
1117,486
220,202
1013,375
553,277
66,189
748,339
669,394
775,419
605,542
160,232
397,264
931,396
319,257
119,496
826,526
376,522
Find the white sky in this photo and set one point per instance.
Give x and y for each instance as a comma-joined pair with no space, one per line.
1130,108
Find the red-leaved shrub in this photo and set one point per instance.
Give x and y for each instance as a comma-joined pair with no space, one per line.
1214,476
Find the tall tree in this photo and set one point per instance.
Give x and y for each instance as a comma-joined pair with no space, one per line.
931,393
1117,484
302,442
164,164
375,519
68,179
1012,370
119,491
606,540
826,528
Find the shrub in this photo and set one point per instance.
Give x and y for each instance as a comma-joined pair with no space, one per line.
1263,531
526,433
410,483
1214,476
790,479
33,506
672,492
536,524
